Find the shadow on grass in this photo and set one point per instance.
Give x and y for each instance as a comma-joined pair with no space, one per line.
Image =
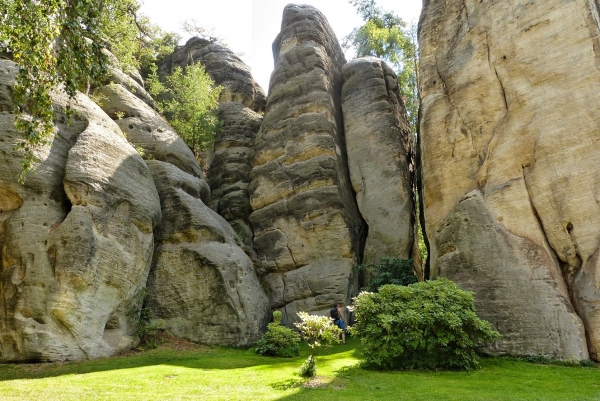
205,359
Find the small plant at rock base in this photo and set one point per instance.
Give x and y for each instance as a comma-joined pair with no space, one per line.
278,341
146,331
277,316
317,331
428,325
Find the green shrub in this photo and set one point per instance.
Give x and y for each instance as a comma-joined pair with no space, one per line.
317,331
278,341
396,271
428,325
277,316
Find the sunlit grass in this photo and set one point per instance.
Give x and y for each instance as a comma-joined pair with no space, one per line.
229,374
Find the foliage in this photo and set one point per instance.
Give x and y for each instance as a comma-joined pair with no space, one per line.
428,325
317,331
308,367
60,43
396,271
54,42
188,101
278,341
146,331
385,35
277,316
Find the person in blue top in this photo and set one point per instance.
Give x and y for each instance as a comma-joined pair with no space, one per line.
337,314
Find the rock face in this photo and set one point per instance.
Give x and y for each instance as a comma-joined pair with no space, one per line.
307,228
202,284
230,165
510,192
241,101
76,241
378,141
223,66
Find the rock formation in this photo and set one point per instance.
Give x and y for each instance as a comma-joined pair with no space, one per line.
223,66
378,141
202,284
230,165
76,241
509,147
307,228
241,101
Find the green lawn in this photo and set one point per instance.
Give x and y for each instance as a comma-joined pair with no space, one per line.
228,374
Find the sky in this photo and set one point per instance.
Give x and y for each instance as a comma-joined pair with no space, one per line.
249,27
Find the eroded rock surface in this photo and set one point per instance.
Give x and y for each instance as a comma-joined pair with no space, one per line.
76,241
230,165
223,66
202,283
510,155
307,228
378,141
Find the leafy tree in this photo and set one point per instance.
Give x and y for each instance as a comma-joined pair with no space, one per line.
395,271
60,43
427,325
317,331
188,100
385,35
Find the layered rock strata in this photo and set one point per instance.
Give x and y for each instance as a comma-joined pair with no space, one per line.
202,285
307,228
378,142
76,241
510,192
230,165
241,101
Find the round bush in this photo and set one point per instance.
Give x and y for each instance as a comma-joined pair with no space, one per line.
429,325
278,341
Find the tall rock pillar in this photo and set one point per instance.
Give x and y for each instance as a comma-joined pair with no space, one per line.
307,228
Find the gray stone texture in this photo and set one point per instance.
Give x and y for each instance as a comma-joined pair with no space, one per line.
509,148
223,66
307,227
202,285
76,241
379,146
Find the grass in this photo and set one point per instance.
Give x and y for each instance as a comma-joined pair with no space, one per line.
203,373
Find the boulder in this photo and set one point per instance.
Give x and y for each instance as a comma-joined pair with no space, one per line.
308,231
509,191
224,67
76,241
202,285
379,145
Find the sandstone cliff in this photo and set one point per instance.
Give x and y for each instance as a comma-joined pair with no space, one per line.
76,241
201,284
379,145
241,102
308,232
509,147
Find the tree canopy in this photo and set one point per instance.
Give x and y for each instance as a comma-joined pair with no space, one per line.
60,43
386,35
188,99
